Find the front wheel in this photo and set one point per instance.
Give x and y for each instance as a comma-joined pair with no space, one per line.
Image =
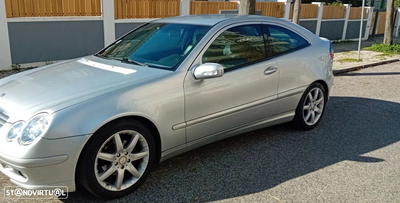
311,107
117,159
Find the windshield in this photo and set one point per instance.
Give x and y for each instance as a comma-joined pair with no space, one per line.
157,45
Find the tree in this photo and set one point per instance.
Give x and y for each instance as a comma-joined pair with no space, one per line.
388,36
296,11
247,7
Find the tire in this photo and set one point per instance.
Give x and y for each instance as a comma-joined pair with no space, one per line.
307,119
117,159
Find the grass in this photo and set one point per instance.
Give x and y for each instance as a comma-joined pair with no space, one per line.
349,60
384,54
386,49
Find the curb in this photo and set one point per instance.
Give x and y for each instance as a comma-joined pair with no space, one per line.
353,68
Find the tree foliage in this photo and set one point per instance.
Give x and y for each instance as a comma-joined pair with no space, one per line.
396,3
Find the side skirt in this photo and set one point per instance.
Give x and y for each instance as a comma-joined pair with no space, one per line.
270,121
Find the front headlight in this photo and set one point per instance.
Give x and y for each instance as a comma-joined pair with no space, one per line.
15,130
36,127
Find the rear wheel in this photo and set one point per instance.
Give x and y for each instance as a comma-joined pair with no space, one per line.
117,159
311,107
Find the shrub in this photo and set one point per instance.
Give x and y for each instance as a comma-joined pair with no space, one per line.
336,3
385,48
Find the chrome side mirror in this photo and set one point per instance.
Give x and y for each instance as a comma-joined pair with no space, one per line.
208,70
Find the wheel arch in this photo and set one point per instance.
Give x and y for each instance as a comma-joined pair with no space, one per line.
148,123
325,85
134,119
298,121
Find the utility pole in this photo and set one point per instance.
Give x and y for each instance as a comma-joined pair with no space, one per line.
296,11
247,7
388,36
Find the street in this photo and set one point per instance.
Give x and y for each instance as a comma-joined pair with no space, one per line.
352,156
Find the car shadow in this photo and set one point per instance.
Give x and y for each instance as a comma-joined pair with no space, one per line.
260,160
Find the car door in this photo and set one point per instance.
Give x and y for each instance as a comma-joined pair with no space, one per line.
290,50
244,94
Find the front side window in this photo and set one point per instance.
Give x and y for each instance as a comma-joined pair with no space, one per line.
157,45
280,40
236,46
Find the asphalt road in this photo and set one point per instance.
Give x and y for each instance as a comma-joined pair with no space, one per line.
352,156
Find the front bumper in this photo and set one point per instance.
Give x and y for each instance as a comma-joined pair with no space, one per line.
48,170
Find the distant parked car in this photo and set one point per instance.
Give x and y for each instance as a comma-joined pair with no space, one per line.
167,87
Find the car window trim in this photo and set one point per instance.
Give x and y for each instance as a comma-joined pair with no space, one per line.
266,31
153,66
288,28
225,28
106,47
245,64
260,23
291,51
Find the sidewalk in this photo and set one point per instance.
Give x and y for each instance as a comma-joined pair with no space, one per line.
346,54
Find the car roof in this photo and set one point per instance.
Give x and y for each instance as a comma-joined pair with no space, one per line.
213,19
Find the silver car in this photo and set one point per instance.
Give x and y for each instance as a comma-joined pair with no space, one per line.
165,88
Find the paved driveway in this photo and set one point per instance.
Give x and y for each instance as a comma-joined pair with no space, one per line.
352,156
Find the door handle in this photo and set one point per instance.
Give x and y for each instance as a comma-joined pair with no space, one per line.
270,70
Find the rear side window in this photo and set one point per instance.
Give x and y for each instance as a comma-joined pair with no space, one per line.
237,46
280,40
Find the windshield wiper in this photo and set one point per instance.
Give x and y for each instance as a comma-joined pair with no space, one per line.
126,60
101,56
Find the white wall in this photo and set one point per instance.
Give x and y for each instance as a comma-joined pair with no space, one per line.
5,53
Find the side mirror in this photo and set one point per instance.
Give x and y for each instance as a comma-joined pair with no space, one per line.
208,70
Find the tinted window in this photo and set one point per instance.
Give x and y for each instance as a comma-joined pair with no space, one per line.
280,40
236,46
157,44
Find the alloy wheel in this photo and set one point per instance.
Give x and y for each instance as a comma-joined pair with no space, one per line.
121,160
313,106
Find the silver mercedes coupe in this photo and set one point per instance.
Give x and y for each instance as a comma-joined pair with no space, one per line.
164,88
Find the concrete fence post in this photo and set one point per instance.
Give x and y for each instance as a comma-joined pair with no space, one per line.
319,16
185,7
346,20
396,24
370,12
286,12
108,21
5,52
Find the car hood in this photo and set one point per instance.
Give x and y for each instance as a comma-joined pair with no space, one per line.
67,83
